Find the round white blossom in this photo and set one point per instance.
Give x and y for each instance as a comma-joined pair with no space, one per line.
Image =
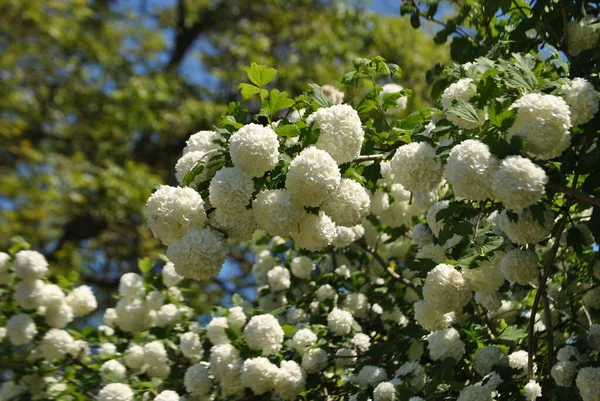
348,204
445,344
170,277
199,254
190,346
347,235
416,373
315,232
582,99
107,349
421,235
189,160
340,321
488,357
518,360
463,89
526,230
543,121
487,277
385,391
303,339
215,331
302,267
380,202
475,393
581,36
336,96
82,300
520,266
113,372
394,88
196,380
469,169
429,318
254,149
115,392
312,176
167,395
445,289
370,376
57,343
5,274
314,360
59,316
258,374
230,189
563,373
358,303
587,383
168,315
279,278
28,293
236,317
263,333
238,225
134,356
52,296
345,357
21,329
361,341
131,286
30,265
172,211
533,390
276,213
154,299
341,134
289,381
416,167
203,141
134,315
518,183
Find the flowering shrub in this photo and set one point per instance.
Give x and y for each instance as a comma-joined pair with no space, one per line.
447,255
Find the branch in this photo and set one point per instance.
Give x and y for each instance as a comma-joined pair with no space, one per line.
366,158
385,265
549,326
575,194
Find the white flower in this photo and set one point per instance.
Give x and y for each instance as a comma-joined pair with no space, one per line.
348,204
432,252
167,395
9,390
345,357
57,343
279,278
263,333
582,99
416,374
190,346
131,286
189,160
488,357
421,235
429,318
254,149
59,316
296,315
526,230
28,294
469,169
230,190
303,339
568,353
563,373
134,356
170,277
463,89
199,254
275,213
107,349
445,344
394,88
134,315
336,96
225,362
215,331
543,121
30,265
533,390
445,289
475,393
312,176
154,299
340,321
196,380
347,235
581,36
361,341
5,274
106,330
416,167
380,202
258,374
172,211
385,391
115,392
587,383
236,317
302,267
314,360
21,329
370,376
315,232
487,276
168,315
289,381
238,225
113,372
520,266
594,336
341,134
82,300
518,360
518,183
51,296
203,141
325,292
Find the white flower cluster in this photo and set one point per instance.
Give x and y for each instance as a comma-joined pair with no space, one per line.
263,333
469,169
581,36
445,344
463,89
417,167
582,99
445,289
518,183
526,230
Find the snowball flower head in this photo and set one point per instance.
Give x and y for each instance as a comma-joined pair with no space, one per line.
533,390
302,267
563,373
203,141
56,344
5,275
30,265
199,254
170,277
197,381
341,134
518,360
385,391
314,360
445,344
115,392
215,331
543,121
312,176
340,321
189,160
276,213
416,167
279,278
289,381
172,211
315,232
236,316
263,333
463,89
429,318
370,376
167,395
581,36
416,373
582,99
518,183
113,372
348,204
394,88
82,300
131,286
587,383
487,276
520,266
361,341
168,315
254,149
303,339
190,346
526,230
421,235
445,289
258,374
21,329
336,96
347,235
230,189
469,169
358,303
488,357
238,225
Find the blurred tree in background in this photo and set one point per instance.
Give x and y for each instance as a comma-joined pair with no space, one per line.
96,105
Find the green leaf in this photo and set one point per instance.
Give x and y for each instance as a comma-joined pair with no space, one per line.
501,116
464,110
519,78
189,177
260,75
237,300
319,97
248,90
288,330
18,244
366,105
145,265
277,101
512,333
288,131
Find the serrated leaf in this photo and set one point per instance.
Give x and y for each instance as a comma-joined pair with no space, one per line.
276,101
512,333
189,177
464,110
287,131
318,96
260,75
248,90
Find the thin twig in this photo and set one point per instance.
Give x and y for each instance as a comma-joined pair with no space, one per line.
574,193
367,158
548,324
587,315
385,265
